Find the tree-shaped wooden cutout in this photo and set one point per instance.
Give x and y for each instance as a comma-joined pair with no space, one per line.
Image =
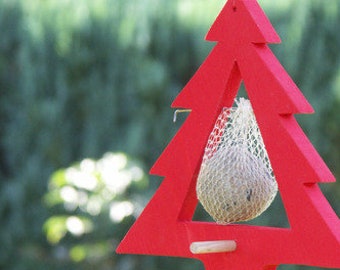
165,227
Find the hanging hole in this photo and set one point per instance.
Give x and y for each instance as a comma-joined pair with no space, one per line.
234,6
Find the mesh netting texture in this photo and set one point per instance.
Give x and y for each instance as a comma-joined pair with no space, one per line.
236,181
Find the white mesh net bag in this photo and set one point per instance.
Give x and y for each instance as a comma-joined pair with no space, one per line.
236,181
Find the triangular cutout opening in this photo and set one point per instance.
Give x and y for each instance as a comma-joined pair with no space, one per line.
274,216
201,215
298,267
242,92
222,151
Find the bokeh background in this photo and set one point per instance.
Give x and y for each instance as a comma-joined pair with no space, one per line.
86,88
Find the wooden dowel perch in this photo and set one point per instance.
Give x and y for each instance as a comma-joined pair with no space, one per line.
213,246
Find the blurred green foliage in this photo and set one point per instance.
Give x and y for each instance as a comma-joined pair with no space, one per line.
82,78
89,212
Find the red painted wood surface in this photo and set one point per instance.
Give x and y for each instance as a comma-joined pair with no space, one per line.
165,227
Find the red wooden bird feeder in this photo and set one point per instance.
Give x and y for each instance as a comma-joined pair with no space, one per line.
165,227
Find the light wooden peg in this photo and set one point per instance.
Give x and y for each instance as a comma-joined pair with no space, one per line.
213,246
